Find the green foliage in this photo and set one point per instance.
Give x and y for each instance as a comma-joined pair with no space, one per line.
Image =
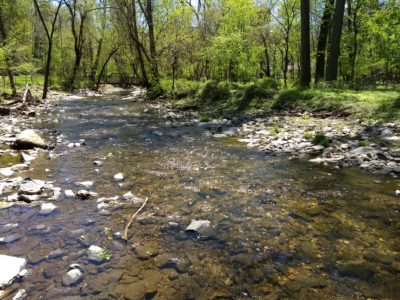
321,139
274,129
254,93
309,136
154,91
268,83
214,92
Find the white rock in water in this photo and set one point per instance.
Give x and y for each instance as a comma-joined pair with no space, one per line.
19,167
119,177
10,267
20,295
69,194
47,208
96,254
6,172
29,139
86,184
198,225
128,196
72,277
397,192
98,163
27,157
32,187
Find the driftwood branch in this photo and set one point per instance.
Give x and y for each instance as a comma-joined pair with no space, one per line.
9,108
133,218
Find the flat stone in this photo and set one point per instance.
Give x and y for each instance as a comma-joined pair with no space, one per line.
86,184
6,172
32,187
10,267
27,157
47,208
10,238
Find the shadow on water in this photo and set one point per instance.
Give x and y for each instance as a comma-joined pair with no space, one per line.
280,228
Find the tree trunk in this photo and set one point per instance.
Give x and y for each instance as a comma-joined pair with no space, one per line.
8,62
103,68
93,69
47,70
305,68
267,69
334,51
322,40
152,42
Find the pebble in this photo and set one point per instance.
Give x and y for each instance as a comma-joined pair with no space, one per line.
86,184
97,254
119,177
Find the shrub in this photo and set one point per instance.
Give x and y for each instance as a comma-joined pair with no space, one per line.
321,139
213,92
154,91
268,83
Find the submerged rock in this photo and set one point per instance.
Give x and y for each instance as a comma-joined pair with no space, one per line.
72,277
10,267
97,254
10,238
29,139
198,226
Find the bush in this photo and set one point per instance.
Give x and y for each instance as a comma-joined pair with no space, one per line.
154,91
254,92
268,83
321,139
214,92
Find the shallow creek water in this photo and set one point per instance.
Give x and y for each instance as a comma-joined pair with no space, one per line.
280,228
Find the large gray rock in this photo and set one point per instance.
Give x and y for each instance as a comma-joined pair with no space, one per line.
29,139
10,267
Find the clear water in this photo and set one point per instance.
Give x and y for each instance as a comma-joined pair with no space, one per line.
280,228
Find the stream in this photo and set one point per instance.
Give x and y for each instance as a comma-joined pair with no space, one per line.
280,228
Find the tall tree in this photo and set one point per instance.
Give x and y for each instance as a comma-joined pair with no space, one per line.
334,50
78,15
322,40
50,35
8,63
305,67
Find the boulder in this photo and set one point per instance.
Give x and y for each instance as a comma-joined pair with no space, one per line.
10,267
6,172
29,139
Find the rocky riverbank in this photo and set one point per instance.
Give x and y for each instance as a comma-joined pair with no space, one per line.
339,142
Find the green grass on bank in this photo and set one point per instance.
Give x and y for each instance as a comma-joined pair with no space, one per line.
216,99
